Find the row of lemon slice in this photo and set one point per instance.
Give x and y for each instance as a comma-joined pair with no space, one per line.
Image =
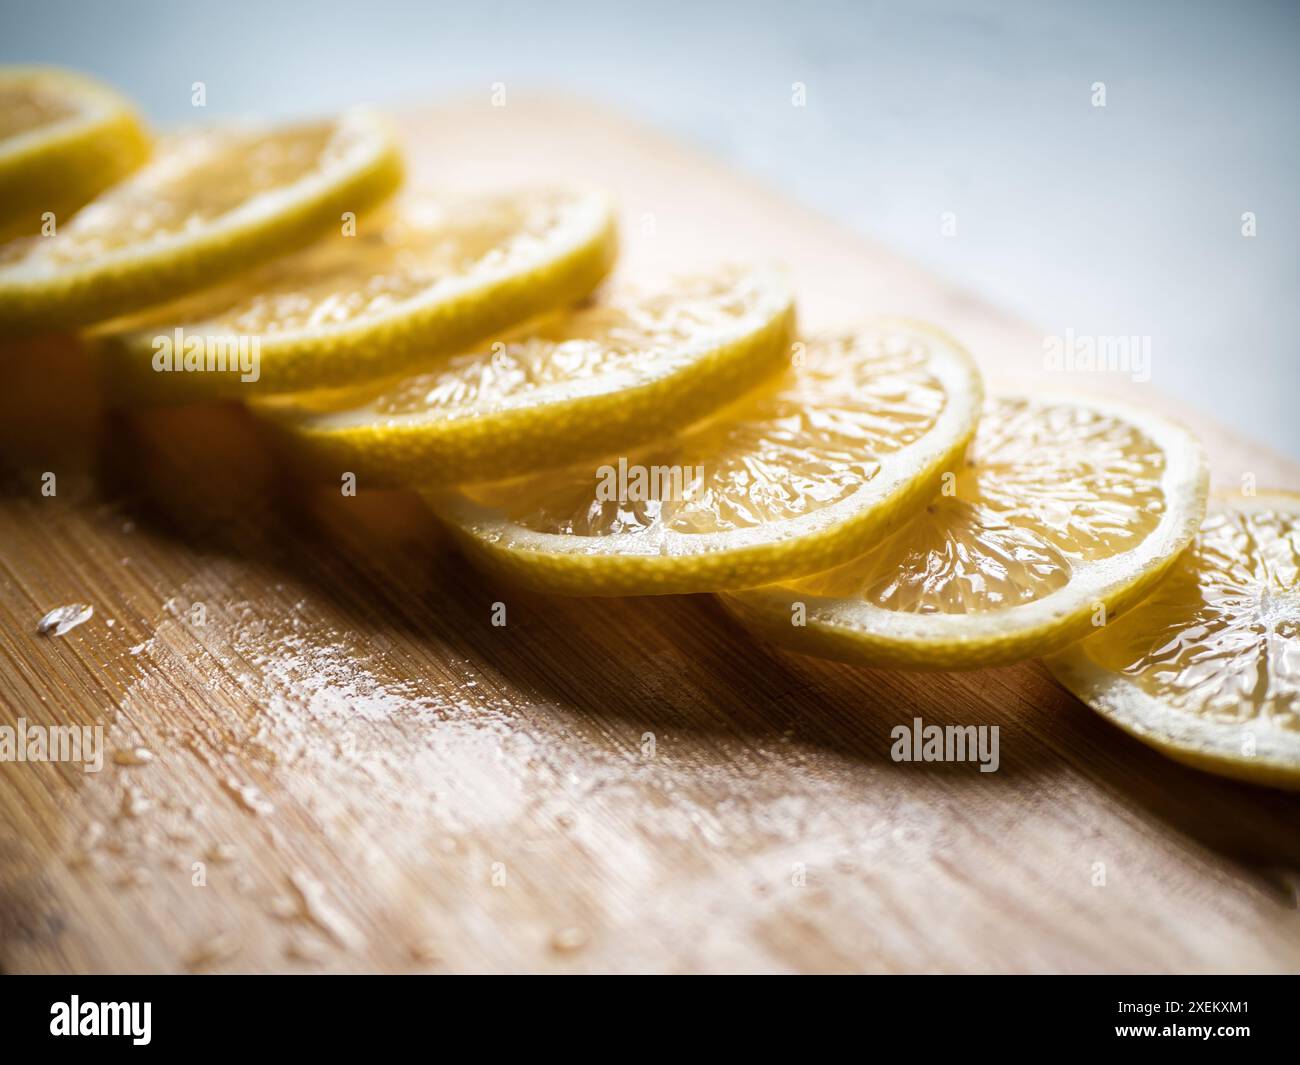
852,496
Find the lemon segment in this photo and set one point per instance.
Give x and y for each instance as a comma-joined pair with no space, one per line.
423,279
1207,668
624,370
207,205
64,138
1065,512
788,481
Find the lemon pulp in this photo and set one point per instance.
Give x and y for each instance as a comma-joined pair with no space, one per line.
207,205
616,372
787,480
1064,511
1221,637
30,107
1207,668
63,139
1044,489
194,179
626,339
813,441
405,253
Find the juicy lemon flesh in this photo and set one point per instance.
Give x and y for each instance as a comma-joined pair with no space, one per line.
25,107
409,250
1220,638
809,441
626,339
1046,488
192,180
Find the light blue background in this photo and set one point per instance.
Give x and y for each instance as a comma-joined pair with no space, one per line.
1123,220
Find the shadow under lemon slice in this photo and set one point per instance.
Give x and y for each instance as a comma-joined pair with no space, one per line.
207,205
1066,512
628,368
1207,668
64,138
417,280
788,481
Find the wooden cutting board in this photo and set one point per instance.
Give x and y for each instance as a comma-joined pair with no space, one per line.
353,769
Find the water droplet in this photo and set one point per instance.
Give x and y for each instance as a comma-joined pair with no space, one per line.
248,797
219,948
90,839
567,940
222,853
425,951
63,619
136,876
304,946
314,907
135,803
284,907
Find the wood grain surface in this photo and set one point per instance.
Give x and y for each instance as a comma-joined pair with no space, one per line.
352,769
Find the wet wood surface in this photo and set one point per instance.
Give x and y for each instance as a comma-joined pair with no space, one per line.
321,755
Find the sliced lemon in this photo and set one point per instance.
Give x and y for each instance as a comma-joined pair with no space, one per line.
63,139
1066,512
1207,668
207,205
782,483
627,369
424,279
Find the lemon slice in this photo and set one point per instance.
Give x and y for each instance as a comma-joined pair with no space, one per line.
63,139
208,204
424,279
627,369
1207,668
783,483
1066,511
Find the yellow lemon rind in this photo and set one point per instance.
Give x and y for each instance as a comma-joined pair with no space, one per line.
859,633
521,438
155,271
669,562
449,318
60,167
1208,746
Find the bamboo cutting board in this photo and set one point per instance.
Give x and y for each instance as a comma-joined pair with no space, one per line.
352,769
